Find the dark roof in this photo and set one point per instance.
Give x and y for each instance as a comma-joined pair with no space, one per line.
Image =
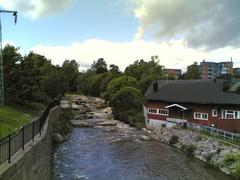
192,91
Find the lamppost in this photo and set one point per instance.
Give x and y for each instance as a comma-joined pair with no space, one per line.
14,13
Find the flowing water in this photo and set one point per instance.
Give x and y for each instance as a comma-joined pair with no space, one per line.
118,153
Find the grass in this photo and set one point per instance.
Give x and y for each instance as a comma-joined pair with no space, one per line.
13,117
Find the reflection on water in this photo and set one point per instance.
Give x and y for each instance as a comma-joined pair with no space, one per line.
115,153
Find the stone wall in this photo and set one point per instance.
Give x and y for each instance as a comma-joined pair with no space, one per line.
34,163
207,149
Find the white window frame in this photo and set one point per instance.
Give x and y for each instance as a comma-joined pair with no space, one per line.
200,116
214,112
163,113
235,114
149,110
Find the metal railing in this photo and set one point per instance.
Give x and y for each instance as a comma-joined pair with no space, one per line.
16,141
215,131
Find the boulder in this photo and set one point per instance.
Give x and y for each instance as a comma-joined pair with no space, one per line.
144,138
107,123
57,138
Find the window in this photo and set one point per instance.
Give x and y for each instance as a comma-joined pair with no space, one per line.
163,112
201,116
230,114
214,113
152,111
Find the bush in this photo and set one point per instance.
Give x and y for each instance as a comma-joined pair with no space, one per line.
236,172
229,159
173,140
189,149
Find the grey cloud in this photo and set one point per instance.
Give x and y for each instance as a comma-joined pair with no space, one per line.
208,24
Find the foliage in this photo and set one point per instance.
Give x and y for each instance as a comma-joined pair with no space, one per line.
34,78
127,98
116,84
70,72
233,160
100,66
173,140
192,72
189,149
11,64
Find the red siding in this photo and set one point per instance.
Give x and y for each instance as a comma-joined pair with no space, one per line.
232,125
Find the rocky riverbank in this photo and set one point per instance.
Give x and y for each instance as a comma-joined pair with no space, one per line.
201,146
91,112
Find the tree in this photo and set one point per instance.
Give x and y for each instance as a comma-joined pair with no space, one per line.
114,69
70,72
29,80
127,98
118,83
55,84
127,105
11,64
100,66
192,72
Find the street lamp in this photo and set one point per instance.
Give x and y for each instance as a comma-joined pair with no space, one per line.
14,13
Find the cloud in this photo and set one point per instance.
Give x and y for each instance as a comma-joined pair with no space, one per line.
172,55
206,24
36,8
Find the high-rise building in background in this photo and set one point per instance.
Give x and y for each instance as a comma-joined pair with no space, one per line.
211,70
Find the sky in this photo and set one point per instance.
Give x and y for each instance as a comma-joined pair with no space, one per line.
122,31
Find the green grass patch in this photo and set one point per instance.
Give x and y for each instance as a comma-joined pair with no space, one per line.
11,119
232,161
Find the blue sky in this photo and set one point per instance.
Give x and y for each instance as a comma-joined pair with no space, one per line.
122,31
82,20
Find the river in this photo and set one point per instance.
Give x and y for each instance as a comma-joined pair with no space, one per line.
119,153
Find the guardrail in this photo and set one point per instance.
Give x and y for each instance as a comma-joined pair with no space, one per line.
16,141
215,131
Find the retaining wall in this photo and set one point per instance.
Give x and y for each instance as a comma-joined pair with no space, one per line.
33,163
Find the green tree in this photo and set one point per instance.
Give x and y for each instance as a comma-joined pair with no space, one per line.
114,69
127,105
119,83
100,66
71,72
145,72
55,84
11,64
192,72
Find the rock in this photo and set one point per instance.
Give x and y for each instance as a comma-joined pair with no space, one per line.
144,138
57,138
82,124
107,123
65,104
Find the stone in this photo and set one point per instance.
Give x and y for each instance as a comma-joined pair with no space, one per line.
144,138
57,138
83,124
107,123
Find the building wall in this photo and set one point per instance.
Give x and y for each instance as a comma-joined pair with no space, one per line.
211,70
232,125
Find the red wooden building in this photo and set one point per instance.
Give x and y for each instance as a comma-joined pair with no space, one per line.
168,103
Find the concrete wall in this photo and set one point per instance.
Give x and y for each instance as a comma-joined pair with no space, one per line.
34,163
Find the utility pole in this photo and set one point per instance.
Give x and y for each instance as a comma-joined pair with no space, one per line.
14,13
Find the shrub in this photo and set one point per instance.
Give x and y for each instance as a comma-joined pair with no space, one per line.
173,140
236,172
189,149
229,159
